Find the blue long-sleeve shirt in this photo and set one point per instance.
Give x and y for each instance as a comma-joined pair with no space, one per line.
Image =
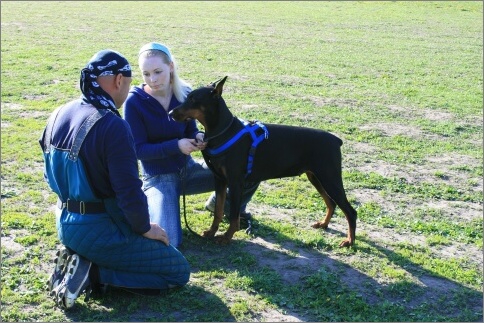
109,158
155,134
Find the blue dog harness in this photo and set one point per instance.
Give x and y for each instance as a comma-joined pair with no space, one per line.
250,128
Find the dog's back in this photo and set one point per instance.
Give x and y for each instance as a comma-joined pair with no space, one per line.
290,151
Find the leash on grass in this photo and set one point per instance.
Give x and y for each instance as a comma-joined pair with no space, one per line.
184,174
248,230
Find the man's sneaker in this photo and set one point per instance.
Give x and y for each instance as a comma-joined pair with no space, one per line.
246,222
75,282
60,262
210,205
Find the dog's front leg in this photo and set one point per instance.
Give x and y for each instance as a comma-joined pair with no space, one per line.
235,191
220,196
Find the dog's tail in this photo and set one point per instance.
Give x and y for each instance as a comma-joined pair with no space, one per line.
337,139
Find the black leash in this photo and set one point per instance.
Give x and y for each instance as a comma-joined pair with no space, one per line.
184,172
248,230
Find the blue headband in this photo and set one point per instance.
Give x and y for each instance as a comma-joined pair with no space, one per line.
155,46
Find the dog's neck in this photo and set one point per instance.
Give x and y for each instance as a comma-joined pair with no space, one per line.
220,122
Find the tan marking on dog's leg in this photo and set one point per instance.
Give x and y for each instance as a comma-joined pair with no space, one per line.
218,214
225,238
330,205
350,239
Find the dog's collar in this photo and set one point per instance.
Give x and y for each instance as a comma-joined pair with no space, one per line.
220,133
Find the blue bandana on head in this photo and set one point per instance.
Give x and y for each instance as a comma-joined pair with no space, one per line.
105,62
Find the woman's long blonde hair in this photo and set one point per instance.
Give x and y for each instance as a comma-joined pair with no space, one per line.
180,86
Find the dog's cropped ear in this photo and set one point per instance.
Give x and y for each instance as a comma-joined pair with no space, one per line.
219,86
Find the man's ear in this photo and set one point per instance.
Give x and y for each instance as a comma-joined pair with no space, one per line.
118,80
110,82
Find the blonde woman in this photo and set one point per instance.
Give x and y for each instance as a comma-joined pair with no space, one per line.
164,146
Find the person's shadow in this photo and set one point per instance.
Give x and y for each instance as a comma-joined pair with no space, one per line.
119,305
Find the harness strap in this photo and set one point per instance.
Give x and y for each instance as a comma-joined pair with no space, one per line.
256,140
250,128
49,129
84,130
81,206
233,140
80,135
72,205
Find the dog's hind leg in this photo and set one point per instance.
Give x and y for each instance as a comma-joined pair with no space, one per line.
337,194
333,185
330,204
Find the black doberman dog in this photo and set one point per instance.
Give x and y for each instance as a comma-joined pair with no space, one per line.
239,152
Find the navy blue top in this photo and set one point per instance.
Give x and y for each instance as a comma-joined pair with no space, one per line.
109,158
155,133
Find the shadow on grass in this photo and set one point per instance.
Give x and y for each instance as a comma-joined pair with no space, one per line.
186,304
446,298
302,282
321,285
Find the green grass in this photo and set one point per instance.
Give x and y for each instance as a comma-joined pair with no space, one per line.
399,82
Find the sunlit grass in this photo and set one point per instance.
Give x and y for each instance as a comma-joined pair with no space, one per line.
399,82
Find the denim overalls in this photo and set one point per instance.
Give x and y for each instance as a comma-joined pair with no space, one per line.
124,258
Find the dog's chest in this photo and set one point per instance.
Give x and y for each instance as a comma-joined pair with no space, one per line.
217,162
232,162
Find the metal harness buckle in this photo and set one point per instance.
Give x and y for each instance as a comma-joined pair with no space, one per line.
82,207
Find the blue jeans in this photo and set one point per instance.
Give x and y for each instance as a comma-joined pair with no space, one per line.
163,192
124,258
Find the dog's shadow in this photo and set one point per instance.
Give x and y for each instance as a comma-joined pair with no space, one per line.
273,262
289,265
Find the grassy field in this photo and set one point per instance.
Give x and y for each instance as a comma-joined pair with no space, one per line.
399,82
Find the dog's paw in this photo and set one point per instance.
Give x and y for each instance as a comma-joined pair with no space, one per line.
208,234
320,225
345,243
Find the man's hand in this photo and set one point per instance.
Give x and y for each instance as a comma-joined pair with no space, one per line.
157,233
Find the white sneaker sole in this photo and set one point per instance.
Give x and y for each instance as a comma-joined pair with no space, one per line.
65,298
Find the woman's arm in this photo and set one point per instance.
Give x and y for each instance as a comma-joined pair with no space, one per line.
144,149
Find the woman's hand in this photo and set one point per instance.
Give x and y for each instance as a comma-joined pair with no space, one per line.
187,146
200,136
201,144
157,233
